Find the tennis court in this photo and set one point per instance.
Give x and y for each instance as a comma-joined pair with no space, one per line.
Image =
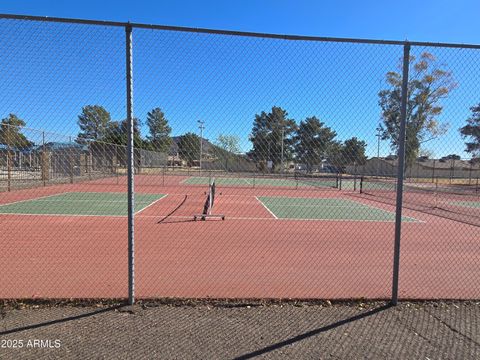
426,187
279,207
459,202
80,204
468,204
320,182
243,256
324,209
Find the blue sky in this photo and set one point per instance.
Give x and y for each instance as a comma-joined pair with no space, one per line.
52,70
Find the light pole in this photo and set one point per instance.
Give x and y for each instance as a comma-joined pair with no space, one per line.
201,126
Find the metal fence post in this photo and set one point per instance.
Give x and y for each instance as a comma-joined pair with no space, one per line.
71,152
470,173
9,167
44,161
400,173
130,167
433,171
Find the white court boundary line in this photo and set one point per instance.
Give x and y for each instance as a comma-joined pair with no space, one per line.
85,200
184,181
63,215
247,181
76,215
37,198
354,203
265,206
387,211
230,217
152,203
41,198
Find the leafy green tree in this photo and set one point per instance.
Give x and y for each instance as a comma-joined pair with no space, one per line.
428,84
314,142
189,148
10,134
229,146
117,133
230,143
270,131
94,121
451,157
472,131
159,131
353,151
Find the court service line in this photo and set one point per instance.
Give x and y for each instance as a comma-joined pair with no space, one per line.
65,215
275,216
247,181
146,207
87,200
37,198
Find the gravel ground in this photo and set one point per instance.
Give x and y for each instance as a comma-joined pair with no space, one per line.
226,331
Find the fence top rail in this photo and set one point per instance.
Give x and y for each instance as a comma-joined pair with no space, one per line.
237,33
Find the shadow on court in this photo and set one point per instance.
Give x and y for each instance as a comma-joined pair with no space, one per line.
171,213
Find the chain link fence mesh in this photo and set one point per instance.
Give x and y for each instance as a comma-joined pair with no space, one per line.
264,167
62,221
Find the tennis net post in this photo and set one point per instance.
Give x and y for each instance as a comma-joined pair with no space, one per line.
209,204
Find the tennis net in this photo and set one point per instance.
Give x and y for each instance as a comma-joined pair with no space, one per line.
333,181
209,203
208,206
455,202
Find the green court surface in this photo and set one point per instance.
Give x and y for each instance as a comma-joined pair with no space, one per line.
324,209
327,183
379,185
78,203
470,204
350,184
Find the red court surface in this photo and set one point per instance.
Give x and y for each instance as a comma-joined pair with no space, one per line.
249,255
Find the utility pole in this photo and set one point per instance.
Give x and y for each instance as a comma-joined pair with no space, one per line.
201,126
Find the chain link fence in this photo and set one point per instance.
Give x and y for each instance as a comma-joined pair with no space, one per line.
289,148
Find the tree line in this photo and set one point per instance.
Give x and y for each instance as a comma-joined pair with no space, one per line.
96,124
276,138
